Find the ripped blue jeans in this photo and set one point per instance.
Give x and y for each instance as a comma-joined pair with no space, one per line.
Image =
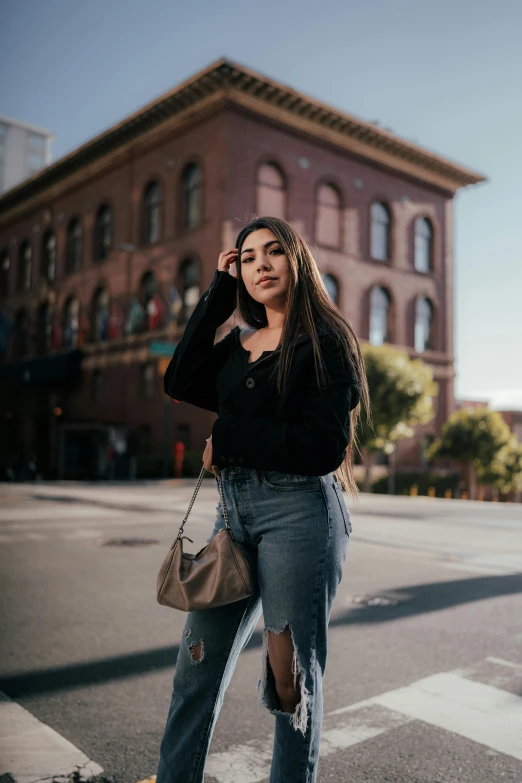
294,530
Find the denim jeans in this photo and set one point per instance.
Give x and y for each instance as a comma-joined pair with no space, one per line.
294,530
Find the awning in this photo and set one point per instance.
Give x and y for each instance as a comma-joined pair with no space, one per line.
62,369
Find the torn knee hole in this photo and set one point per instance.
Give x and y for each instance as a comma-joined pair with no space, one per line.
196,651
269,688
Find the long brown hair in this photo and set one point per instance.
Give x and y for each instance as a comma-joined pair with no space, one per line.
308,306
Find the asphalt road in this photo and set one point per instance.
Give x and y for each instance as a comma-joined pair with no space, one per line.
423,684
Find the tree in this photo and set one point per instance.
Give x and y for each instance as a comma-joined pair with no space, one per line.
402,392
473,436
505,470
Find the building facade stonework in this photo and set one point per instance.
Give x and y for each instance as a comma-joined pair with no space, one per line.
105,253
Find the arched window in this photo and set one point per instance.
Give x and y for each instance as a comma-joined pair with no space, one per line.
271,192
152,213
189,288
152,303
44,328
23,278
100,314
423,245
20,334
332,287
48,267
71,323
192,181
74,245
103,232
328,216
379,316
5,265
423,324
380,232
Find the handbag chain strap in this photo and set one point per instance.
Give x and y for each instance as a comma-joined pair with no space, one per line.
225,512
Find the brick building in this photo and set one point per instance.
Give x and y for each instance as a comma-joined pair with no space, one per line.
104,254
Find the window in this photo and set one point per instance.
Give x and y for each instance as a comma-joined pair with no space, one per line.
423,324
36,142
74,245
152,302
100,314
332,287
423,245
44,328
20,334
328,216
147,379
23,278
152,210
189,288
380,232
48,268
71,323
192,195
103,233
379,316
5,265
270,192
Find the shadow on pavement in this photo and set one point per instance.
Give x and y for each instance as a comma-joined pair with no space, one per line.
413,600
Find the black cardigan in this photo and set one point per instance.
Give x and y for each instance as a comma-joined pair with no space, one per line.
305,431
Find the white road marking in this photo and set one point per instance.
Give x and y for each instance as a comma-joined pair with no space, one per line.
31,750
69,511
482,713
479,712
503,662
251,761
502,563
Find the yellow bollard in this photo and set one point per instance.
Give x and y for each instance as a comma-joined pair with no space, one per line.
432,492
414,490
448,493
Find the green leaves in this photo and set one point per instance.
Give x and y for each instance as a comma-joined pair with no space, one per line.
401,391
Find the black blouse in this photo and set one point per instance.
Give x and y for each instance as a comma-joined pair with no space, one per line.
304,431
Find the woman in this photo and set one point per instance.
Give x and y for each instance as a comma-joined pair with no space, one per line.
287,391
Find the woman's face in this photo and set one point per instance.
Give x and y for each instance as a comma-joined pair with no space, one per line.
262,255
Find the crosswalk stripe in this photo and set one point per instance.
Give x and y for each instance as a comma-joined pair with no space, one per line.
470,709
482,713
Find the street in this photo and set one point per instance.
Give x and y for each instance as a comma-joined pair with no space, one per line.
423,682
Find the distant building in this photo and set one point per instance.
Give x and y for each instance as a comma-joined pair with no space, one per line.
513,419
24,151
471,404
104,255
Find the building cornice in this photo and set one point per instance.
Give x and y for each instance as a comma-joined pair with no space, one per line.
225,83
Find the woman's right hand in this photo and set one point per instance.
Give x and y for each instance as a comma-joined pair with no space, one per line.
207,459
226,260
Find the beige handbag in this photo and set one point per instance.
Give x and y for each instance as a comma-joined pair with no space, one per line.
218,574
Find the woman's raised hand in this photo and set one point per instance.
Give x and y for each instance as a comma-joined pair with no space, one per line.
226,260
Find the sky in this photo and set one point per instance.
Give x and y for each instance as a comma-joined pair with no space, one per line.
445,74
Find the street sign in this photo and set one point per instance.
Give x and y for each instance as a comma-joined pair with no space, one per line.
158,348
